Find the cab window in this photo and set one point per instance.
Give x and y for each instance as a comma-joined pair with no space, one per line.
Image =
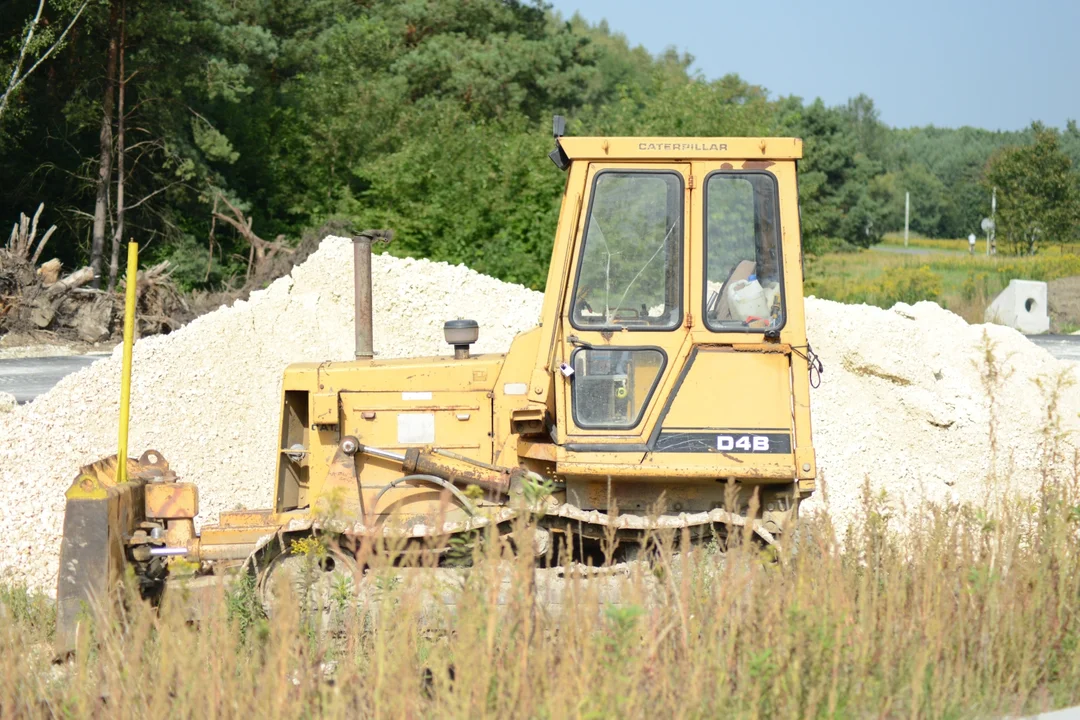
744,285
612,386
630,273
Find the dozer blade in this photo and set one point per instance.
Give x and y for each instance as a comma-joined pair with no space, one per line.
100,513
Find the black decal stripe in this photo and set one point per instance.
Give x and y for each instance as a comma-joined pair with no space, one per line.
671,397
669,428
707,442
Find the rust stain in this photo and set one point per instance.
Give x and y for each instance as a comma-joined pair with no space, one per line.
757,164
245,518
171,500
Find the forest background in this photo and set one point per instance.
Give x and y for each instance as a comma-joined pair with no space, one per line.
214,132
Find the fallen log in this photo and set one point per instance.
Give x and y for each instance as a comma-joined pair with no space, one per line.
72,281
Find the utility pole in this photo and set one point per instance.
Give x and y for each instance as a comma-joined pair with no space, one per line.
993,223
907,214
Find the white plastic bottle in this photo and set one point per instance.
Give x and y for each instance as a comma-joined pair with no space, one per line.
746,298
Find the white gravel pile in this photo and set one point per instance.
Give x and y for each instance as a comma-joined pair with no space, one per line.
207,395
902,401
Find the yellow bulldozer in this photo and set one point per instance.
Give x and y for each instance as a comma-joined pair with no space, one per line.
666,386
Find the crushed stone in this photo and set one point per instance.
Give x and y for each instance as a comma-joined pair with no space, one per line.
207,395
902,402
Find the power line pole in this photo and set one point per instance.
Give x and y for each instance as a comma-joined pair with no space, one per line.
993,222
907,215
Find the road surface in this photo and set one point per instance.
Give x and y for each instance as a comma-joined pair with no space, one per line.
26,378
1063,347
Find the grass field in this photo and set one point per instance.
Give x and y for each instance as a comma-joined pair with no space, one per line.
944,244
963,283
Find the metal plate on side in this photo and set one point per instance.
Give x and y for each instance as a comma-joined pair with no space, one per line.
415,428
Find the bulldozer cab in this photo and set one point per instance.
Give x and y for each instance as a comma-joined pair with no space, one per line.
676,299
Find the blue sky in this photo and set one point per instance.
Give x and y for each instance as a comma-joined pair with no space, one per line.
991,64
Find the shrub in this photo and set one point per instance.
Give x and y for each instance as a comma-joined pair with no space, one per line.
901,284
909,285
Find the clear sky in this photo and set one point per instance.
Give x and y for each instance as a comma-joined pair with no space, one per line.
985,63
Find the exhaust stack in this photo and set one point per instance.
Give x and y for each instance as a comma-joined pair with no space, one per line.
362,288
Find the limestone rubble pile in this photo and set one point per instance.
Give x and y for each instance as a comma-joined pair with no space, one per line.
902,400
206,396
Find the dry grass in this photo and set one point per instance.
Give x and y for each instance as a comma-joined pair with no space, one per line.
955,612
965,613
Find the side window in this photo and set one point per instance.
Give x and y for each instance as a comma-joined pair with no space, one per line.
743,288
630,275
612,386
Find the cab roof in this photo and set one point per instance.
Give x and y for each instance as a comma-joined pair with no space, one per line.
680,148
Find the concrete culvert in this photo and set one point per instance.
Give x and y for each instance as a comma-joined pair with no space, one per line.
1021,305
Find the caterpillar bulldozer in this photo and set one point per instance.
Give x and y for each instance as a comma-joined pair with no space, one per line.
666,386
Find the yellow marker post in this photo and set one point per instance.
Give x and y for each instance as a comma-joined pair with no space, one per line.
125,372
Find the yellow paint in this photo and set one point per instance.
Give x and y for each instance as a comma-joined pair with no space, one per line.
742,390
125,372
324,408
667,149
171,500
87,487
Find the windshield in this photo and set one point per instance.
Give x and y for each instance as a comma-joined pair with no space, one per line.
743,290
630,273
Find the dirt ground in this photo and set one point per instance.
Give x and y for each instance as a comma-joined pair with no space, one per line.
1063,299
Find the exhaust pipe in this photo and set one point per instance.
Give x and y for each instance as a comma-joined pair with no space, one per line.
362,288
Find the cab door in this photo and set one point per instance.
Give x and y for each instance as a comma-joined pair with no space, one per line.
736,405
624,330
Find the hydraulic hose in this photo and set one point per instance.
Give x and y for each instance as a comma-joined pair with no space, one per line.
433,480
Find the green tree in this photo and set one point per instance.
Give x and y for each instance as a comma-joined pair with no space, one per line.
928,199
430,117
39,39
1038,200
957,158
840,193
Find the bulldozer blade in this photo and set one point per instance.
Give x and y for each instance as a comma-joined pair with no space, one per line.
97,517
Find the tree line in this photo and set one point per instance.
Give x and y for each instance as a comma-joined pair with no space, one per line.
217,132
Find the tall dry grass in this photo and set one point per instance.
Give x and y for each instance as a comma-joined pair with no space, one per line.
965,613
957,611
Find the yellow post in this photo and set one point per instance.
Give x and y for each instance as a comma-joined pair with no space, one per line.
125,372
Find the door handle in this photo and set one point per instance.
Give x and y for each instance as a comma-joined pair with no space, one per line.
578,342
